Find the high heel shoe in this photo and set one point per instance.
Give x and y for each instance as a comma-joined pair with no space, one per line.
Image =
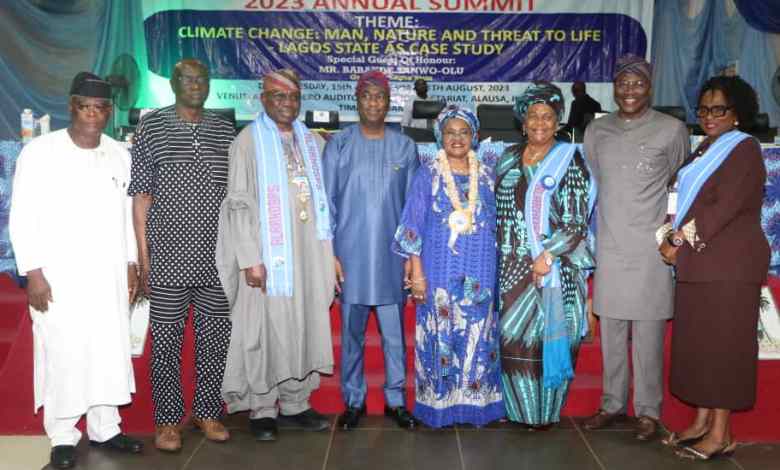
673,439
692,453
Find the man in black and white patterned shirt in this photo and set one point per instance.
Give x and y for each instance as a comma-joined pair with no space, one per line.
179,178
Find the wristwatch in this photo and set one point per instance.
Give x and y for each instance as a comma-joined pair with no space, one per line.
674,241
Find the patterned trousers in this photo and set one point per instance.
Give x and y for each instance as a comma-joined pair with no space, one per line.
168,312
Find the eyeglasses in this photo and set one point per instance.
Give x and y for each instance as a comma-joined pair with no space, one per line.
373,97
463,133
95,108
714,111
279,97
628,84
192,79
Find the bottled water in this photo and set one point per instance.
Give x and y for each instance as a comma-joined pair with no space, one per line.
28,125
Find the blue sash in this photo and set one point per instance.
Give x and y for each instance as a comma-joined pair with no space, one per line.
537,202
693,176
556,347
273,197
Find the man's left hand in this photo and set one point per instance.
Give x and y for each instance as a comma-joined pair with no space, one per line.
132,282
256,276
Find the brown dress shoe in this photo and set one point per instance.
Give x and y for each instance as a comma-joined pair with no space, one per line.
167,438
212,429
646,428
601,420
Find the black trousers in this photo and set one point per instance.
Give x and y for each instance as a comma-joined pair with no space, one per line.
168,313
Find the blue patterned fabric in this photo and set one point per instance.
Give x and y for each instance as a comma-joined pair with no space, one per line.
457,364
454,111
770,213
9,152
542,92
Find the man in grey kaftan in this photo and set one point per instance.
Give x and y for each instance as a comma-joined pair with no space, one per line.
281,340
633,153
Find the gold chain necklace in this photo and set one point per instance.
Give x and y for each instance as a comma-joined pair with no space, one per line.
296,174
535,157
462,219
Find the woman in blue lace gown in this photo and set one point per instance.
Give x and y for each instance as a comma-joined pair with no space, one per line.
448,230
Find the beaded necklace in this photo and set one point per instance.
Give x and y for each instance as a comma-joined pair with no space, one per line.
461,220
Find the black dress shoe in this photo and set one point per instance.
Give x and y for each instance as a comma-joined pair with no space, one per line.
401,416
309,420
601,420
351,418
121,443
263,429
646,428
63,456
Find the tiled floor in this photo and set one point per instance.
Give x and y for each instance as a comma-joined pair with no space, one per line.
379,445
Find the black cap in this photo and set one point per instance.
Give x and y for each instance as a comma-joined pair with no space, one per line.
90,85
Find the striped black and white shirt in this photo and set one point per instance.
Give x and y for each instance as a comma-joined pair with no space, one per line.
184,167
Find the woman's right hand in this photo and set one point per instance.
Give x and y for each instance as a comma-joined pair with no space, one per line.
419,287
416,281
541,267
668,252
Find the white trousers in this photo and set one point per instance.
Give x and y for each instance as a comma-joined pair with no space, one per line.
102,424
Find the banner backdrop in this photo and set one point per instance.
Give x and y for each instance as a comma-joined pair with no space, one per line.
470,51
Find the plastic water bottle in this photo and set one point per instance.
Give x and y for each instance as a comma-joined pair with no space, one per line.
44,124
28,125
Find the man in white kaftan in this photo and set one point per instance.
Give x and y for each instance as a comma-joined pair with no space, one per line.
71,228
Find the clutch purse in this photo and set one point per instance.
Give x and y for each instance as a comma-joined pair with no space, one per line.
662,232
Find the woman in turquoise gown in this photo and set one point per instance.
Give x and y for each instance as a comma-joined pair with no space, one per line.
544,195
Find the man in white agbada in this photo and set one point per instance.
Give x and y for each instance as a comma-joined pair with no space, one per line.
71,228
275,261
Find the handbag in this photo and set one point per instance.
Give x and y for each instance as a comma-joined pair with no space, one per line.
139,326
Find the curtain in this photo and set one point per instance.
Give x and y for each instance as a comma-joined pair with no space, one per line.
763,15
696,39
758,68
47,42
42,49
